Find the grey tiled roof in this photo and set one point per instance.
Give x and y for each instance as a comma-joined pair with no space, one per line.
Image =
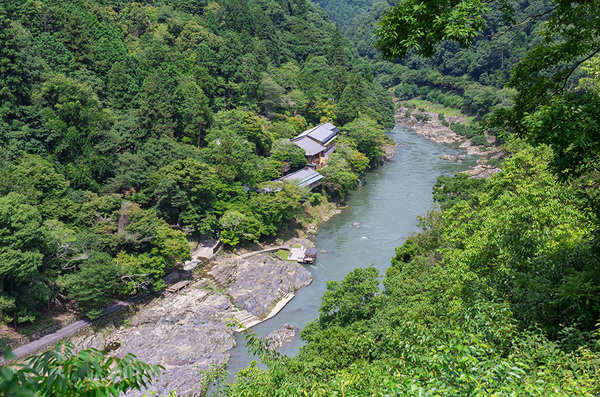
309,146
306,176
321,133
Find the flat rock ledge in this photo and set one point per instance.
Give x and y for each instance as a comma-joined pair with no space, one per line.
190,333
264,281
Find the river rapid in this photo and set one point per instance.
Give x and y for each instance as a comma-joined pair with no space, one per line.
386,208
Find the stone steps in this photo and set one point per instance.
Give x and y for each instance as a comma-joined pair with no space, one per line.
249,320
214,281
246,320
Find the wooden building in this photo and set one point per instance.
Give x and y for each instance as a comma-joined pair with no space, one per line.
317,142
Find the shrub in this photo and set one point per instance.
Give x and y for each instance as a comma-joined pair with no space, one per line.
422,117
465,130
494,162
479,140
316,198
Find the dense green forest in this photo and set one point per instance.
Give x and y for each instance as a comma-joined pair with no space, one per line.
129,128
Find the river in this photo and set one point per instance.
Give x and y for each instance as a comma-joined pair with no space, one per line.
386,207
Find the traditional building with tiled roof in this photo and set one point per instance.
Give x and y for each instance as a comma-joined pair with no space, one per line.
317,143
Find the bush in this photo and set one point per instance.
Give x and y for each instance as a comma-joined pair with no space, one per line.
422,117
479,140
316,198
494,162
406,91
465,130
422,110
441,117
407,113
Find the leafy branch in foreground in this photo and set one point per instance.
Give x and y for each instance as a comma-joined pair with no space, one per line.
65,372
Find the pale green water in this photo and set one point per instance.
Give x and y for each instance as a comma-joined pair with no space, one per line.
386,208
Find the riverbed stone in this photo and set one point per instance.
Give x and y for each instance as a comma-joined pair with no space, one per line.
448,157
278,338
186,333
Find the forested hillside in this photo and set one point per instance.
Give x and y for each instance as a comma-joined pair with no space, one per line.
498,295
128,128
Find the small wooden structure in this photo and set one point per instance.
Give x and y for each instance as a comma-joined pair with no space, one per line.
306,177
310,255
177,286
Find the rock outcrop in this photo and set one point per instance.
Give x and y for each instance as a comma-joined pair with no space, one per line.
258,282
277,339
188,334
433,129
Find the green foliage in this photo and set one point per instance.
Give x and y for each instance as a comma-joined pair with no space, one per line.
339,178
95,283
479,140
415,26
74,117
422,117
466,130
448,191
350,300
284,150
277,206
526,244
368,136
237,227
185,189
22,241
65,372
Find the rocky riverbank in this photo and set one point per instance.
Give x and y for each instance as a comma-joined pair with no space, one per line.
435,131
191,332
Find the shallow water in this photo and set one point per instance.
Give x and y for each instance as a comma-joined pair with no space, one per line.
386,207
